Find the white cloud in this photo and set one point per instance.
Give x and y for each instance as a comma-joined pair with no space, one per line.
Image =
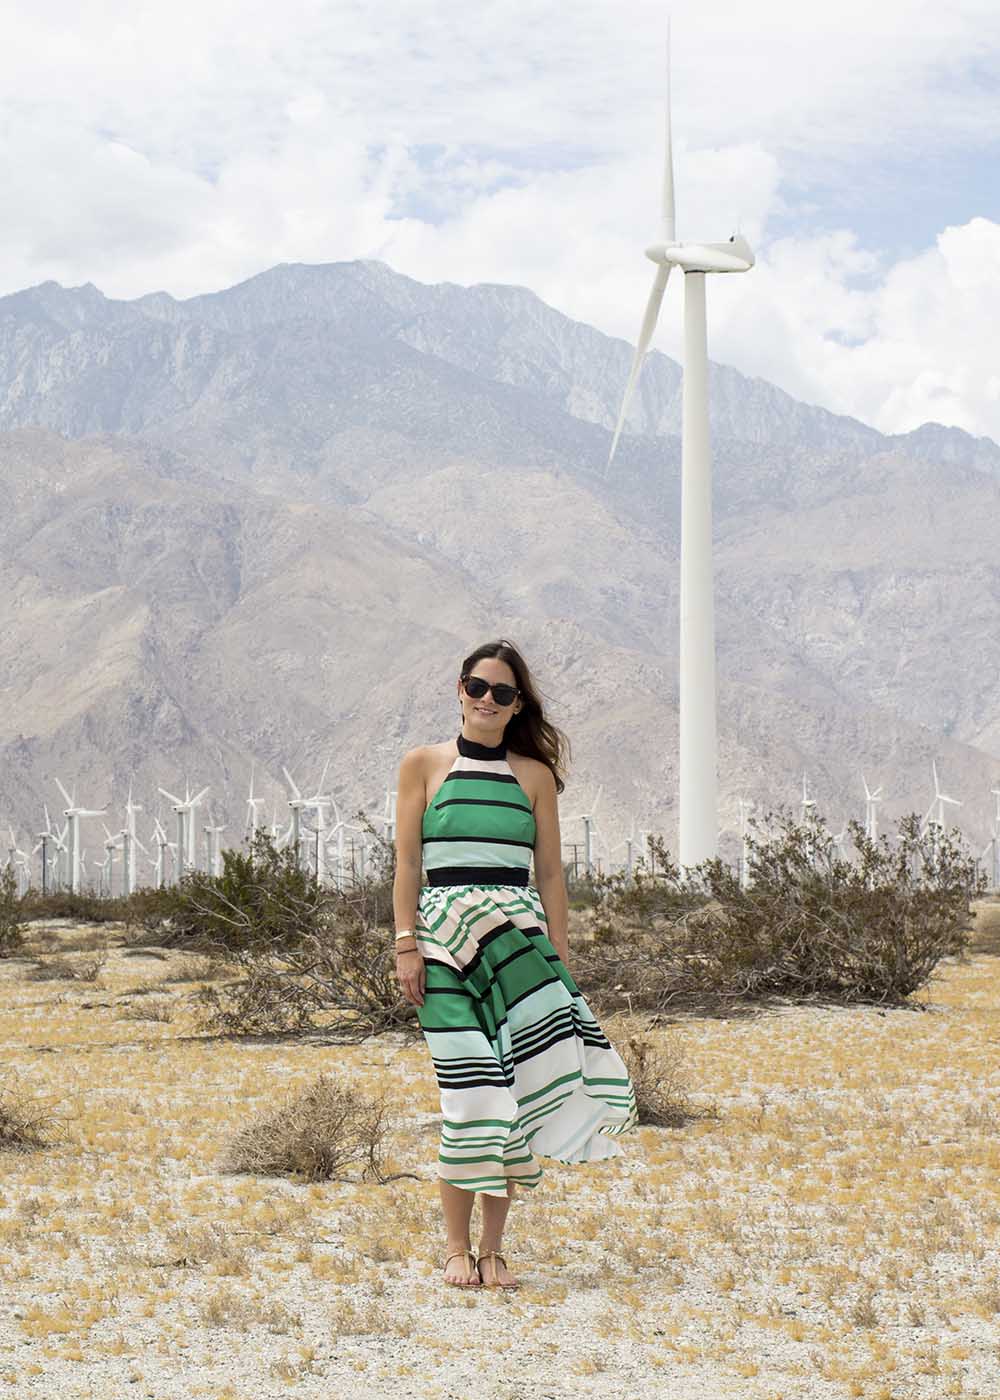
188,146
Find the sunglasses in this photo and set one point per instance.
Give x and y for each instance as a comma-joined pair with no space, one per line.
476,688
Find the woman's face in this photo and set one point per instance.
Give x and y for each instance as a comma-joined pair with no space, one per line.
484,713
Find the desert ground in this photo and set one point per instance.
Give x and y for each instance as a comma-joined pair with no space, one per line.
823,1223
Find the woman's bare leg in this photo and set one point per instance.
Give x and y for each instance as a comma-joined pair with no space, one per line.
495,1209
457,1206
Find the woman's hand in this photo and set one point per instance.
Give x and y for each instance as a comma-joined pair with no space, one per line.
412,975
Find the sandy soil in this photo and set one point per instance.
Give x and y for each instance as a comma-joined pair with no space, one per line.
832,1230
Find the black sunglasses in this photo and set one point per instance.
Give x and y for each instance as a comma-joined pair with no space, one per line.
476,688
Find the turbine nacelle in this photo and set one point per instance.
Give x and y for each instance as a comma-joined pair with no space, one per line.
735,255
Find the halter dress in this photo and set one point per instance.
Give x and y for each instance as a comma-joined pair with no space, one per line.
522,1066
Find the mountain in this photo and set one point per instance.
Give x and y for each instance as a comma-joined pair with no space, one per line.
264,525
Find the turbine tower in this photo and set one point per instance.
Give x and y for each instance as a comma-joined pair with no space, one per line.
698,744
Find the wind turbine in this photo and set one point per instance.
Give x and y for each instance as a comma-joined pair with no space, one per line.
253,820
317,803
22,865
994,843
939,800
389,815
296,802
745,806
213,849
184,811
129,842
73,813
698,744
44,837
589,827
871,816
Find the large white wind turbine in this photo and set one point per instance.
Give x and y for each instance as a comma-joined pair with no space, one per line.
698,748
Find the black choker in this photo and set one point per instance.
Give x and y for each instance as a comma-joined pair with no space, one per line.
468,748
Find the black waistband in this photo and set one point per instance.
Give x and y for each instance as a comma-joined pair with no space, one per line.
478,875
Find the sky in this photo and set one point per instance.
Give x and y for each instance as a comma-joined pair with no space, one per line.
186,147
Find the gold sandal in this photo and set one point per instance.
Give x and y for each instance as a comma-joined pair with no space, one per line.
492,1254
464,1283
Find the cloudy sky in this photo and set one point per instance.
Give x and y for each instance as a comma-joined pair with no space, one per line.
185,147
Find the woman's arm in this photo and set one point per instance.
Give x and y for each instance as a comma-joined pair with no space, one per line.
406,885
549,879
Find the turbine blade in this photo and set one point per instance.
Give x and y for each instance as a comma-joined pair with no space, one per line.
645,336
669,221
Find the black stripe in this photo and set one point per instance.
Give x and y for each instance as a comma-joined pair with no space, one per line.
479,802
478,875
482,840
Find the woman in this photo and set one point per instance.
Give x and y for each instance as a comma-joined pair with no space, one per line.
521,1063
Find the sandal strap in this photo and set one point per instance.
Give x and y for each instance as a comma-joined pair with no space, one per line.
457,1253
492,1254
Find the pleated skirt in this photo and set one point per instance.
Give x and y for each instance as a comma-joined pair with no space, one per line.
522,1066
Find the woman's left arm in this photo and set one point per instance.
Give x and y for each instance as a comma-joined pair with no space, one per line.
549,878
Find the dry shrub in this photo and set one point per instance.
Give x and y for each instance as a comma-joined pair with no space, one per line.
24,1121
656,1068
306,958
61,969
199,967
811,924
317,1135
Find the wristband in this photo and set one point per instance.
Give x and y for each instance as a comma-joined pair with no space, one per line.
406,933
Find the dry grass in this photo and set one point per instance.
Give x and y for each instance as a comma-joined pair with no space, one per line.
821,1219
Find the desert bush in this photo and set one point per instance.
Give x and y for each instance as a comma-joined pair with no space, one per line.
656,1069
25,1123
810,924
63,969
83,907
318,1135
340,978
305,957
11,914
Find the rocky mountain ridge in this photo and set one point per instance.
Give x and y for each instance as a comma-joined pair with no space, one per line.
265,524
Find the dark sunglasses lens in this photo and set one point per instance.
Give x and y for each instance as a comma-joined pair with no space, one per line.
476,688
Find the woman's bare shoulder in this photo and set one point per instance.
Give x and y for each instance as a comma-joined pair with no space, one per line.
422,755
533,769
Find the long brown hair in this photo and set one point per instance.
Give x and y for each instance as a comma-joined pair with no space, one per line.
527,732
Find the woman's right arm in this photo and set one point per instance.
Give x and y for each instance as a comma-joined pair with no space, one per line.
410,790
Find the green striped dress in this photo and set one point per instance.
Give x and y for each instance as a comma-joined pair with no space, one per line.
522,1066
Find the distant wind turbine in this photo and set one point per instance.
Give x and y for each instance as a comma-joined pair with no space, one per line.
698,744
871,816
938,802
73,814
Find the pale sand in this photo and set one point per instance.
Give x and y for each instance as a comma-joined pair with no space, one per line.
854,1155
